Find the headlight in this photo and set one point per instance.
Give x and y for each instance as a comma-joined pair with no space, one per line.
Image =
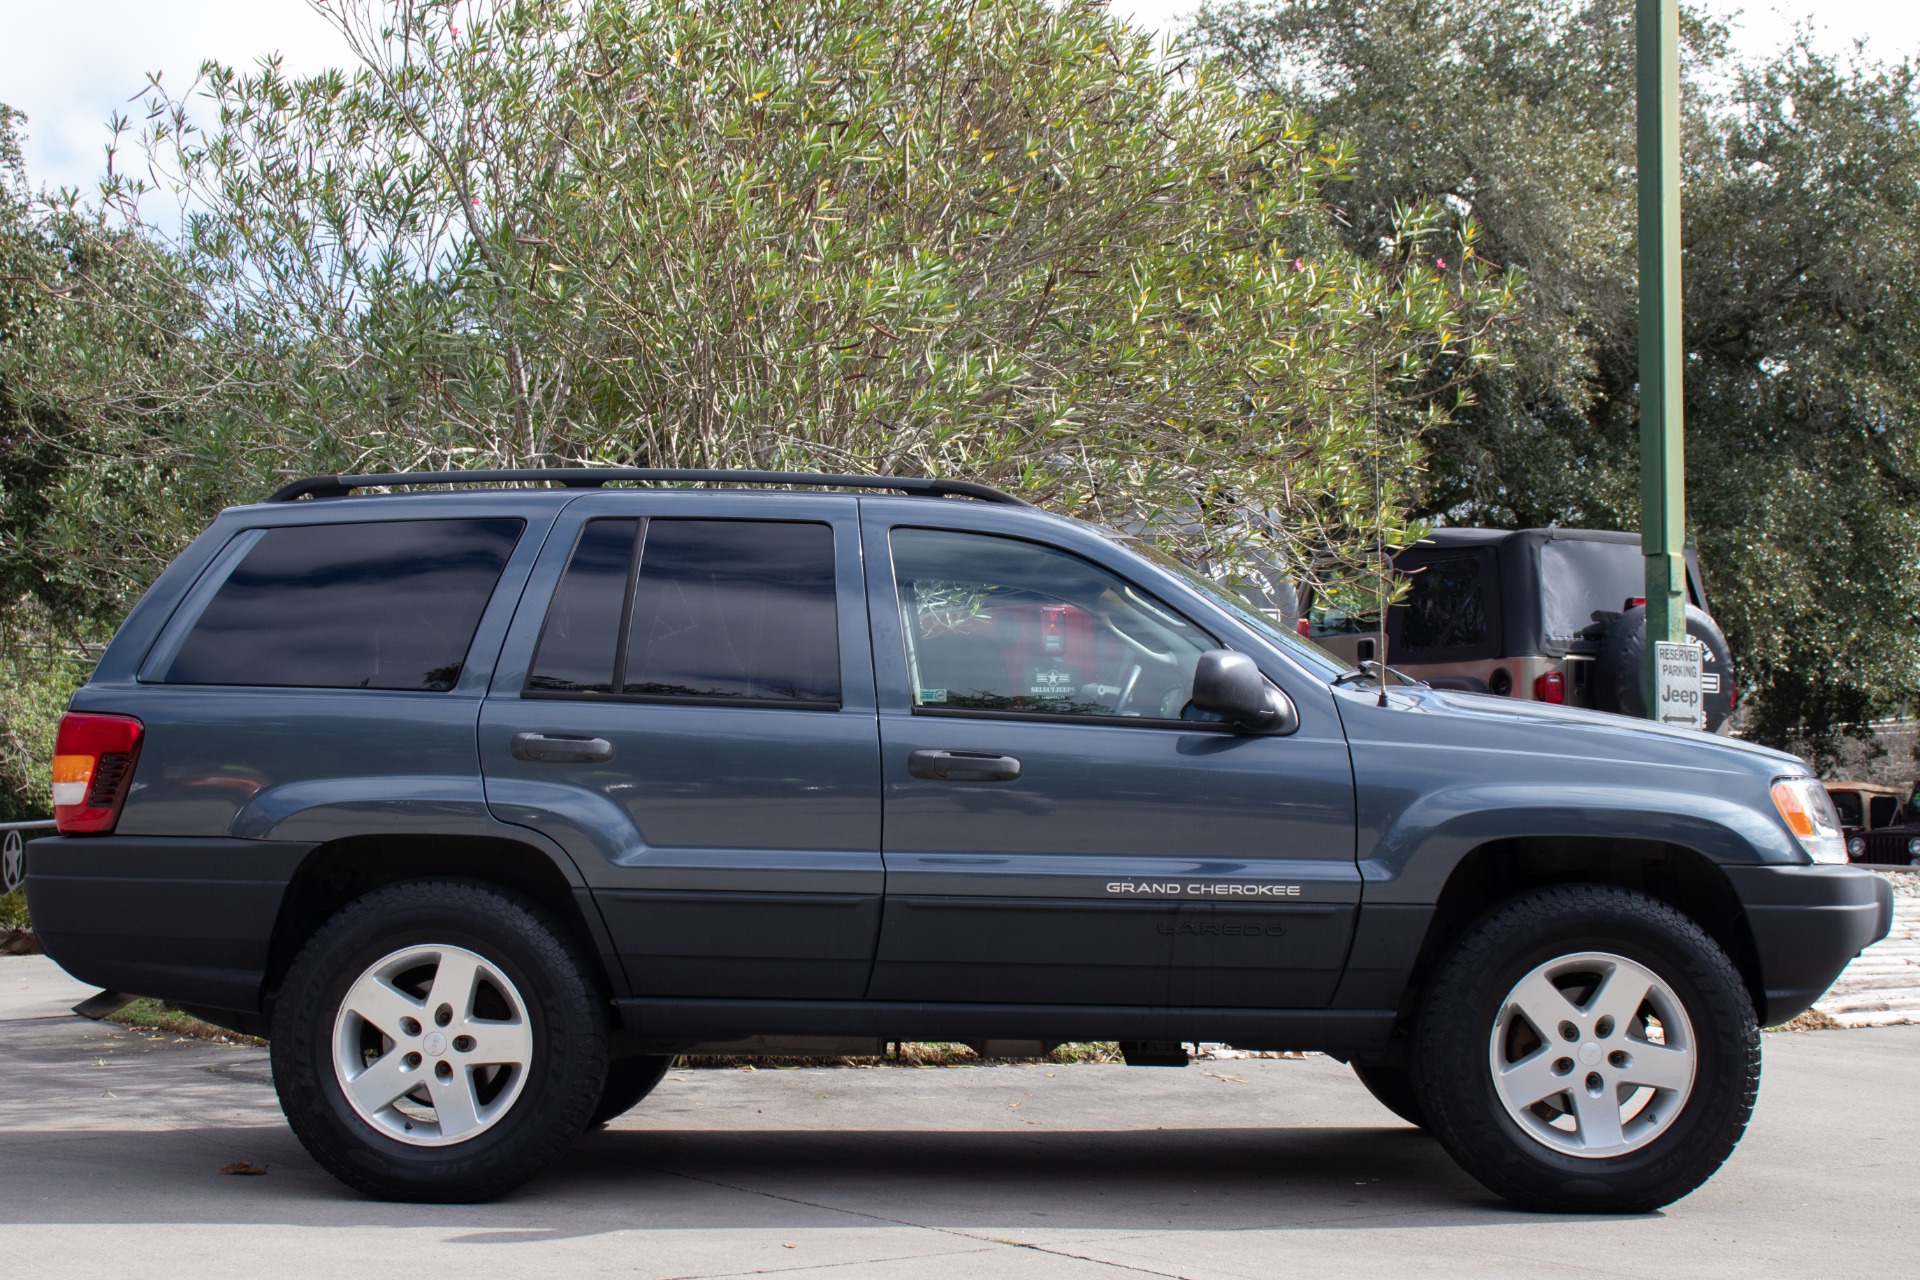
1808,811
1913,847
1856,846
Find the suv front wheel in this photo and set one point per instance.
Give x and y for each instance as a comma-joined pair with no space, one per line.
1587,1049
438,1041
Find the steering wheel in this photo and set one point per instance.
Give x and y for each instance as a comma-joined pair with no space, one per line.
1163,656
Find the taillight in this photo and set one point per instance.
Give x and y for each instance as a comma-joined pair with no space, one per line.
93,760
1551,687
1304,627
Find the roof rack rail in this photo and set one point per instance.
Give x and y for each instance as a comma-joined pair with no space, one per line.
595,477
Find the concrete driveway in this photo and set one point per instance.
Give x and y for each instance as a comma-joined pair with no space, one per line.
111,1145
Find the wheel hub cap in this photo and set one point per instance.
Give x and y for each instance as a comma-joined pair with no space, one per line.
1592,1055
431,1045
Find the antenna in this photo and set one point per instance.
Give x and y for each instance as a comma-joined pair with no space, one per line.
1380,525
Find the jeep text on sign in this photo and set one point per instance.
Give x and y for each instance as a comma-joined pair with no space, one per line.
1678,693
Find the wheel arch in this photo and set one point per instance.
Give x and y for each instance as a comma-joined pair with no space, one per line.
1677,874
341,870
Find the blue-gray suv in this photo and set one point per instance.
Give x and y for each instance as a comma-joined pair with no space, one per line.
486,795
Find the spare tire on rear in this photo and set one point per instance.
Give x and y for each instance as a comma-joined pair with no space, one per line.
1619,677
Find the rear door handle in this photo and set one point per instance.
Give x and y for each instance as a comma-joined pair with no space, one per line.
963,766
561,748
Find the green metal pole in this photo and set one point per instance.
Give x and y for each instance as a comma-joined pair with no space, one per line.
1663,503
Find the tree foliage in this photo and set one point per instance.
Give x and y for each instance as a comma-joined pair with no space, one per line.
997,239
1802,315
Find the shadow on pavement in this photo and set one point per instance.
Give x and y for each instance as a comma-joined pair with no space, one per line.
638,1179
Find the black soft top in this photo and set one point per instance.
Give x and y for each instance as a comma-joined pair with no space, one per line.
1552,581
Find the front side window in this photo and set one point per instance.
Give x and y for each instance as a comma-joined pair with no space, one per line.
1847,805
719,610
379,605
997,624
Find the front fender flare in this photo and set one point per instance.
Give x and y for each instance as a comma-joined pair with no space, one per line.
1412,858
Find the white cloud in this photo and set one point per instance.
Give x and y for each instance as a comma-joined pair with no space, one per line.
70,64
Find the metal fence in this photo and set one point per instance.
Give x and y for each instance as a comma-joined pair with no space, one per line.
13,851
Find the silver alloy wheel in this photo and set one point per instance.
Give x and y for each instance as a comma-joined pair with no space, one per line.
431,1045
1592,1055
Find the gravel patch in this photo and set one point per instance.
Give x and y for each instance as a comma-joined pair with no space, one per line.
1881,988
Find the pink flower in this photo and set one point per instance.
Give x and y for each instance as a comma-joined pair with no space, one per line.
454,32
1299,265
1440,263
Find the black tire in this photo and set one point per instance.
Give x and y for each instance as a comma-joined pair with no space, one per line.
1454,1076
566,1060
1392,1088
1619,674
628,1081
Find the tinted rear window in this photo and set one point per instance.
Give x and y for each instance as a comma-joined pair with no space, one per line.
386,605
735,609
1579,578
721,610
1445,607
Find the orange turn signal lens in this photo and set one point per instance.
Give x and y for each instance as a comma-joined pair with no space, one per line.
1808,811
1787,799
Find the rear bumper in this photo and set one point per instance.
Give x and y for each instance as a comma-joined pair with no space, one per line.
1807,922
183,919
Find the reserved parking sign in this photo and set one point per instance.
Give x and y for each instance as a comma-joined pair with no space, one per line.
1677,693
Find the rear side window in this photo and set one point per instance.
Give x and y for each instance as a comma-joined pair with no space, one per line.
1445,607
724,611
380,605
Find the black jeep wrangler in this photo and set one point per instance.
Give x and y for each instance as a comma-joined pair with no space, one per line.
1546,615
487,795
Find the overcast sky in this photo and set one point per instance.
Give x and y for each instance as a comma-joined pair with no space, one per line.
69,64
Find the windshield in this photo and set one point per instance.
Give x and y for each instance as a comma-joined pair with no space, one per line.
1305,652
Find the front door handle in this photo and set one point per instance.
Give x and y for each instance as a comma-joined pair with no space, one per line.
561,748
963,766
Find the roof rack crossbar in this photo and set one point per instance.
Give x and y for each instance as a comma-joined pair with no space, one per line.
595,477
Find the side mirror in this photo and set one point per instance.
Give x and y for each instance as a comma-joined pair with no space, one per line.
1229,685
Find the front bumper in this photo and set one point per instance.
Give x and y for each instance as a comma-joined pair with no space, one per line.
1807,923
183,919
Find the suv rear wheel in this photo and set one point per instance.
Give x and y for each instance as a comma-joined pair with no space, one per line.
438,1041
1587,1049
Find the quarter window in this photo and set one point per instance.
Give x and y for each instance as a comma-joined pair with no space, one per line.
739,611
379,605
583,624
997,624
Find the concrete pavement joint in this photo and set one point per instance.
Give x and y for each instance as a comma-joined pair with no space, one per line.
825,1266
893,1222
